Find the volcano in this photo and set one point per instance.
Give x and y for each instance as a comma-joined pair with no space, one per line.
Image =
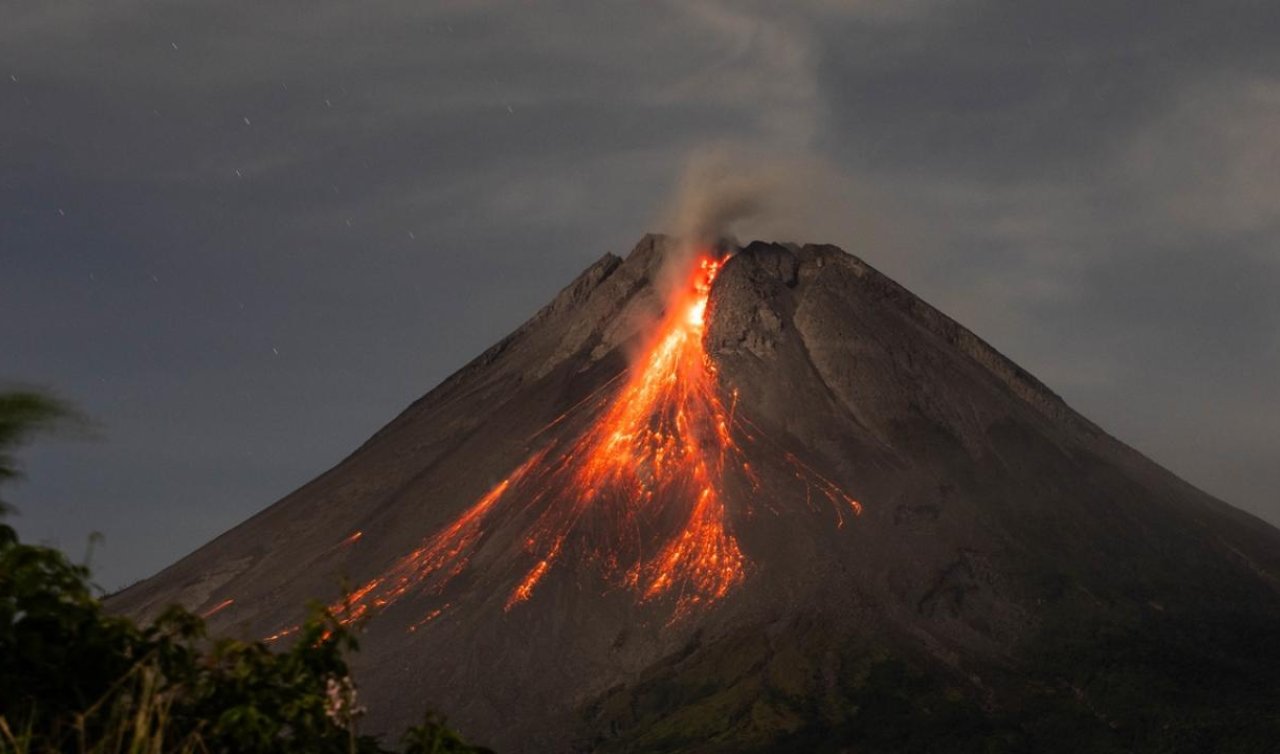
714,498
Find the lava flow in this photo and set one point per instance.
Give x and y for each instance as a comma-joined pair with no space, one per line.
639,493
663,441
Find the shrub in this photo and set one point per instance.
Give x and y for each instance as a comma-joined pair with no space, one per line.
74,678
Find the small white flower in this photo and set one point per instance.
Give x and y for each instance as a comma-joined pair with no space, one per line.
340,702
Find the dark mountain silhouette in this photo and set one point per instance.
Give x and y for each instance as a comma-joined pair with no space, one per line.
764,499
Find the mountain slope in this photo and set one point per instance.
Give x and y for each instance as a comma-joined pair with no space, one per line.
785,506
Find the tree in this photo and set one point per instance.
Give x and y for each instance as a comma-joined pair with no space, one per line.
74,678
24,414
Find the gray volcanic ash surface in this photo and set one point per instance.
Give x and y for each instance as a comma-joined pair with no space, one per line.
778,504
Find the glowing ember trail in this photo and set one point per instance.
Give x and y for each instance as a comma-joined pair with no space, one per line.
662,442
223,605
639,493
431,566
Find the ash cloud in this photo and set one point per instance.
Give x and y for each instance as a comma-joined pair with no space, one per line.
717,190
736,192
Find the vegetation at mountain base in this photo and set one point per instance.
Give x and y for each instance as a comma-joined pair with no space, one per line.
1146,683
74,678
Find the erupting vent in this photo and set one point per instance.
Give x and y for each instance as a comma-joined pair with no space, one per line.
639,493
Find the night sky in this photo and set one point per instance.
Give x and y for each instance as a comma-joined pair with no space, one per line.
241,236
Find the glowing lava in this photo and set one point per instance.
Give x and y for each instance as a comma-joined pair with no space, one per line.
661,443
639,494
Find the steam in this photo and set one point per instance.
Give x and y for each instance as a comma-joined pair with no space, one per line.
716,192
729,192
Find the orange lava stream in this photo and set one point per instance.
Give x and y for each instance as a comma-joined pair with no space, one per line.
441,556
639,492
223,605
663,437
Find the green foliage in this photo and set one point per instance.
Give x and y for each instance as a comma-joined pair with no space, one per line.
74,678
58,649
432,737
24,413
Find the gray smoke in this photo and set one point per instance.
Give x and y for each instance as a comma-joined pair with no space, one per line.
736,192
718,191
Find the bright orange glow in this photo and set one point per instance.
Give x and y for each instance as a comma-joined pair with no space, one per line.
216,609
829,489
280,634
532,578
429,617
661,442
648,467
639,493
441,557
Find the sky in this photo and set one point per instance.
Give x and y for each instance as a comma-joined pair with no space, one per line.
241,236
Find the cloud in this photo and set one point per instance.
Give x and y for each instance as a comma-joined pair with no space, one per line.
761,67
1211,165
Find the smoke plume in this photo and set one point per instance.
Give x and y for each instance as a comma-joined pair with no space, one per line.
731,192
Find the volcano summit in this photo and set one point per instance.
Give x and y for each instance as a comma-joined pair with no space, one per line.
722,499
